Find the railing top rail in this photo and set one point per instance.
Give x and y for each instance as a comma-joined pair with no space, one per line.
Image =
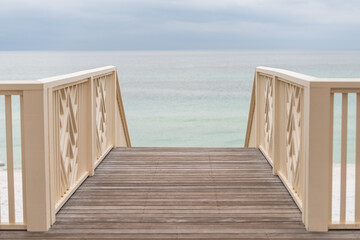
348,83
295,77
307,81
77,76
18,85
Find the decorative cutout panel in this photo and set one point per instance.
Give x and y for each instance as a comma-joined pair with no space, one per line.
100,115
293,137
67,117
268,111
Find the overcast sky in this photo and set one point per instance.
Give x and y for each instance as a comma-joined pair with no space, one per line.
179,24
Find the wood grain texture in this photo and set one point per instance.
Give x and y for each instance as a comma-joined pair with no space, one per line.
181,193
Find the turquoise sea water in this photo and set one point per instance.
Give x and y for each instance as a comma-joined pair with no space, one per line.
182,98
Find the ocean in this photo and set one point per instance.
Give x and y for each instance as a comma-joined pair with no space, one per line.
182,98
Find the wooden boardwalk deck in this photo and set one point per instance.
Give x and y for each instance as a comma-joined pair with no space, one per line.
181,193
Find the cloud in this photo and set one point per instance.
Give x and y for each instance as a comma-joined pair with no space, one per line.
178,24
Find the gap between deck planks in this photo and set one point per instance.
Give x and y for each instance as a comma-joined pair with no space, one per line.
181,193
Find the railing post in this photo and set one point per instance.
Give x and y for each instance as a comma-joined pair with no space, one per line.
35,133
257,111
317,157
52,157
92,127
113,105
277,124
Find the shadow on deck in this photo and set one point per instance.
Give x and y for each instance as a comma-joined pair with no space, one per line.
174,193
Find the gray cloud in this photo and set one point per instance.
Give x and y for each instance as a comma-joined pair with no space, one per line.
179,24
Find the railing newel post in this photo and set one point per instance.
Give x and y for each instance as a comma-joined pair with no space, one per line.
36,156
317,158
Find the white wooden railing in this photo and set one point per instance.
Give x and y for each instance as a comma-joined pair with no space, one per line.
291,122
68,125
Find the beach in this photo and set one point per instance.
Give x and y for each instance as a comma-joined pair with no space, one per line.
4,196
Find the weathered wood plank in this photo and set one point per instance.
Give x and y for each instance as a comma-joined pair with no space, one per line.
181,193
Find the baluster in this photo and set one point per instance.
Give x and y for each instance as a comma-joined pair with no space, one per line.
357,161
344,115
331,134
10,159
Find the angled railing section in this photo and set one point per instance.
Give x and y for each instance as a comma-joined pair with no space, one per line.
69,123
291,122
123,137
